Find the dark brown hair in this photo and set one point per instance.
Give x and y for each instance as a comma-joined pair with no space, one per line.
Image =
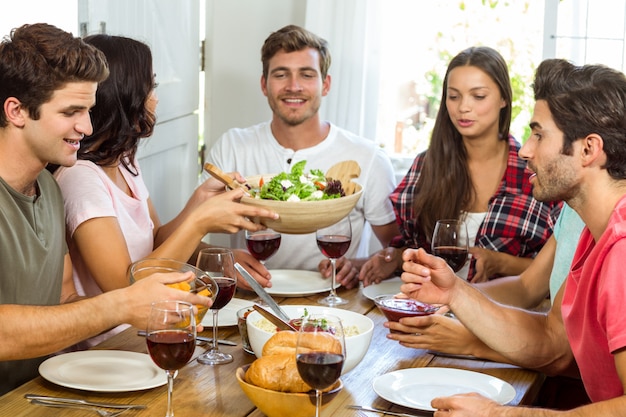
38,59
584,100
444,188
120,117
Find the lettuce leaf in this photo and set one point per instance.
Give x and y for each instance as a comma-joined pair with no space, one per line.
298,185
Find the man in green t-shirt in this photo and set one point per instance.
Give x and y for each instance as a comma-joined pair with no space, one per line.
48,81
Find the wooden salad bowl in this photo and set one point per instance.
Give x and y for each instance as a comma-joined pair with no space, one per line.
300,217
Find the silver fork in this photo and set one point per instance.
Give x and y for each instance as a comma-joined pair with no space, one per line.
101,413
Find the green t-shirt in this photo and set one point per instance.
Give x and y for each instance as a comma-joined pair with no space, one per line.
32,250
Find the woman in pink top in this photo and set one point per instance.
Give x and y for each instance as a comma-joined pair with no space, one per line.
111,221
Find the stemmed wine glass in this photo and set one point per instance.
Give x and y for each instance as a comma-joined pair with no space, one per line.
219,264
450,242
171,339
320,364
262,244
334,241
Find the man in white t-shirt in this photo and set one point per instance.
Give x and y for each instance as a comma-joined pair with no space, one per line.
295,78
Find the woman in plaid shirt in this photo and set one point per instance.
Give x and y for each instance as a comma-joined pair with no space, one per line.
471,171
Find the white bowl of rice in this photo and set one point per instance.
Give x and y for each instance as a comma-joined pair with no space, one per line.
357,327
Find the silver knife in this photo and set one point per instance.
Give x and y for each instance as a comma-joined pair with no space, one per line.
46,400
261,292
199,338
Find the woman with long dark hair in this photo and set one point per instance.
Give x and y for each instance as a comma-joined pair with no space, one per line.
111,221
471,171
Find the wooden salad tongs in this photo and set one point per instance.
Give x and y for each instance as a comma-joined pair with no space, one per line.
345,171
221,176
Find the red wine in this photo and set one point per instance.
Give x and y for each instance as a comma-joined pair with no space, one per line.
262,246
319,369
454,256
171,349
226,292
333,246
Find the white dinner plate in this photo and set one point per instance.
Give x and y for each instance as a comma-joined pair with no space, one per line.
103,371
297,283
388,286
416,387
227,315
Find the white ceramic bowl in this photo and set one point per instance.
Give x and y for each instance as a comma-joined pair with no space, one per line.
356,346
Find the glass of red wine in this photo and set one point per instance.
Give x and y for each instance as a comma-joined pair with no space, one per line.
334,241
171,339
262,244
320,353
219,264
450,242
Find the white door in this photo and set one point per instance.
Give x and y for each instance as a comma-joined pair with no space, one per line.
169,159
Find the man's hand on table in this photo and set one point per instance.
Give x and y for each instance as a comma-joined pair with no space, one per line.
380,266
466,405
258,271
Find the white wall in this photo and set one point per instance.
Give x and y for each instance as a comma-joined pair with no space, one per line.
236,30
61,13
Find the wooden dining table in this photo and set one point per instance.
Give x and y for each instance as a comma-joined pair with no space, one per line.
205,390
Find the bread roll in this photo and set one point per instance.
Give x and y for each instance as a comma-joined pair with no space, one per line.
285,342
277,373
277,370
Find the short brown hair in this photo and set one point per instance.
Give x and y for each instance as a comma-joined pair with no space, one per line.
38,59
293,38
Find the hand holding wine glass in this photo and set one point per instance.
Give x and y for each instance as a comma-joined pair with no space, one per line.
262,244
320,353
450,242
219,264
171,339
334,242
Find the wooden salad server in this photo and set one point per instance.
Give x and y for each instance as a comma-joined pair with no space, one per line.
345,171
220,175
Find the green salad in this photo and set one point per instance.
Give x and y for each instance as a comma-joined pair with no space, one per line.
298,185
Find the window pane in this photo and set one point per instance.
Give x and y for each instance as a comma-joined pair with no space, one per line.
418,40
592,32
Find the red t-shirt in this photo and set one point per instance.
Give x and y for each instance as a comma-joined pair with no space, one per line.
594,306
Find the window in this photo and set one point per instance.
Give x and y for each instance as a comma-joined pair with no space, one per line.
587,32
419,39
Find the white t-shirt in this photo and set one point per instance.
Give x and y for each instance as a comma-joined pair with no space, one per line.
254,150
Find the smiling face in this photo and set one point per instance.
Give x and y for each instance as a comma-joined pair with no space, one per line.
473,101
294,86
555,175
64,120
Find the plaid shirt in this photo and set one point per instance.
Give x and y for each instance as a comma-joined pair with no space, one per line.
515,223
